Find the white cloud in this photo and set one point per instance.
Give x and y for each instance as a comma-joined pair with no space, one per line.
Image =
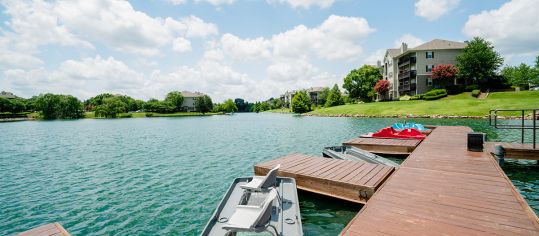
306,4
374,57
337,38
177,2
181,45
291,71
434,9
82,78
217,2
513,28
245,49
409,39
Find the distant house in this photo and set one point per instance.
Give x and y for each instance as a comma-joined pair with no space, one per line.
189,100
313,92
409,69
7,95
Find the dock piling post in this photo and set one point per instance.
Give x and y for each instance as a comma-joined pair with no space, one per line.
499,153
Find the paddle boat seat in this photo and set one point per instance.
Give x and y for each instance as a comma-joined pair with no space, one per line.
260,183
252,218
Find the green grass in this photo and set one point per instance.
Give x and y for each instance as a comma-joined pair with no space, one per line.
458,105
281,110
91,115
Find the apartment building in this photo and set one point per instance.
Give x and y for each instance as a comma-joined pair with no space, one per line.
409,69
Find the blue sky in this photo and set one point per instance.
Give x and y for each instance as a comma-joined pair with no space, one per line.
233,48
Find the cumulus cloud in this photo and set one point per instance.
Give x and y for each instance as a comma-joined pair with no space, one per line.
337,38
305,4
83,78
217,2
409,39
181,45
513,28
434,9
177,2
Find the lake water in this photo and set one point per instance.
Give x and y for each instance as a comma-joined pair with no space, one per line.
165,176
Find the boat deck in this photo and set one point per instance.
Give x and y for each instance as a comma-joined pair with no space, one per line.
52,229
384,145
444,189
349,180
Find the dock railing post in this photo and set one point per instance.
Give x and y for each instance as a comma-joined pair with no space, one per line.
499,153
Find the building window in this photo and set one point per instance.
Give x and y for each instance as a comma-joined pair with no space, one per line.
429,68
429,82
390,74
429,54
413,81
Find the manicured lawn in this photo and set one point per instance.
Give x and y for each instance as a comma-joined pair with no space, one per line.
282,110
459,105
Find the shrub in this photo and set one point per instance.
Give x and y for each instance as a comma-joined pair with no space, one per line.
472,87
476,92
455,89
125,115
149,114
405,98
417,97
435,94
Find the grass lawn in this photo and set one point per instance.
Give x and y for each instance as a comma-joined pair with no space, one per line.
459,105
281,110
143,114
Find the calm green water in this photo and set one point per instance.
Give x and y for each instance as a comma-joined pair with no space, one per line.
164,176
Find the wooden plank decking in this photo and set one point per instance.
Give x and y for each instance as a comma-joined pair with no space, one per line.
516,150
443,189
384,145
52,229
349,180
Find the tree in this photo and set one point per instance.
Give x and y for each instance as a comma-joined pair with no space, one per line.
154,105
229,106
381,87
445,73
521,76
176,99
360,82
111,107
204,104
323,95
52,106
334,97
301,102
478,61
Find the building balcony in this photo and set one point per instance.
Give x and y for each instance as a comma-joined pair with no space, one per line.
407,74
406,61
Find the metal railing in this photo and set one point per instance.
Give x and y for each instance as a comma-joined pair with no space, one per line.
493,121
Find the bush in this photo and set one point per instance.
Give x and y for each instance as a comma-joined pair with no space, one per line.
455,89
472,87
405,98
125,115
435,94
475,93
417,97
149,114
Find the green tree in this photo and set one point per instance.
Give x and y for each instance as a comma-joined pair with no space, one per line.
52,106
111,107
334,97
229,106
203,104
71,107
48,105
301,102
176,99
5,105
154,105
360,82
521,76
478,61
323,95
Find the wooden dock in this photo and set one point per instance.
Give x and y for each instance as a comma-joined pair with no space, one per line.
349,180
384,145
516,150
52,229
443,189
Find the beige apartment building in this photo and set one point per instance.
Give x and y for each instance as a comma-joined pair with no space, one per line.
408,69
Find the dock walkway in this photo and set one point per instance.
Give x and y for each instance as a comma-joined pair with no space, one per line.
52,229
443,189
349,180
384,145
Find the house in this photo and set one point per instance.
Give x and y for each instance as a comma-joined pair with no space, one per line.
7,95
409,69
313,92
189,98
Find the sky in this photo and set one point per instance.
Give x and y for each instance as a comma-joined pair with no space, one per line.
232,48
